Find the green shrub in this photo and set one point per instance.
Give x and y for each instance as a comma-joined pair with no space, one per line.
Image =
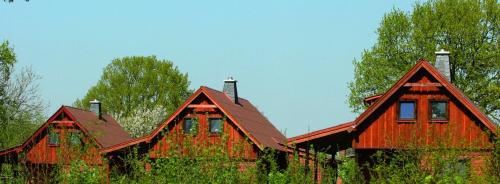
80,172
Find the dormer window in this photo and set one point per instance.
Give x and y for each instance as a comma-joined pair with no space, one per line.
438,110
190,126
53,138
215,125
407,110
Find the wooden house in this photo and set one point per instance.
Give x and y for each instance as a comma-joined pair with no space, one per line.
212,118
69,134
422,110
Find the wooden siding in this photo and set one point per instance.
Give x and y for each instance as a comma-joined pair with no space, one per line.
40,152
233,139
383,130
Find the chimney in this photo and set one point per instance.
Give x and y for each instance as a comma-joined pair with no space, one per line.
443,63
230,89
95,107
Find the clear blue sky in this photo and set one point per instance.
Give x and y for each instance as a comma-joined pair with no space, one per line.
293,59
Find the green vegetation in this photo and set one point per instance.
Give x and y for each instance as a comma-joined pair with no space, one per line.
183,163
141,91
469,29
21,109
192,163
133,86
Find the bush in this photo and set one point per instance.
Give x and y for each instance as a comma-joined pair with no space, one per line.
80,172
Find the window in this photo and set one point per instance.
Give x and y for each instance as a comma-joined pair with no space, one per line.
215,125
407,110
74,139
463,167
459,167
438,110
190,126
53,138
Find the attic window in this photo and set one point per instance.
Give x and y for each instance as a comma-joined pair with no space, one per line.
407,110
53,138
190,126
74,139
438,110
215,125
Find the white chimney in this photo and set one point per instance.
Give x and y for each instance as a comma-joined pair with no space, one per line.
230,89
443,63
95,106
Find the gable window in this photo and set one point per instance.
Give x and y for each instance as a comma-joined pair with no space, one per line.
407,110
438,110
215,125
74,139
190,126
53,138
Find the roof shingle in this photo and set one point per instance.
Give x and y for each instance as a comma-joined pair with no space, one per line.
106,131
250,119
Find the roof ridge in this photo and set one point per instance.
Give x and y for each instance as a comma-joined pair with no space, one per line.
81,109
209,88
77,108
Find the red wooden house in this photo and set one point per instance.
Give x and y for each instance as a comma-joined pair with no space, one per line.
69,134
205,118
423,109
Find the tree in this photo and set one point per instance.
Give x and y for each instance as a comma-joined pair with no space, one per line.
131,83
7,61
468,29
21,108
142,120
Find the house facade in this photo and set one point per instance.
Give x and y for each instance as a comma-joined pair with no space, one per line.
69,134
212,118
422,110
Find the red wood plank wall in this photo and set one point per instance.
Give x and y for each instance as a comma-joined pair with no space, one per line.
43,153
235,142
383,130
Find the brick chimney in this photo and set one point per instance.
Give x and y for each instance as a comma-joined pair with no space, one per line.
230,89
95,107
443,63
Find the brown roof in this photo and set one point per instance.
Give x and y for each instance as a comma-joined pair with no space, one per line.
106,131
321,133
244,115
251,120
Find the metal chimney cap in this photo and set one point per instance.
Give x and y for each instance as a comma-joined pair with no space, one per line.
442,52
95,101
230,79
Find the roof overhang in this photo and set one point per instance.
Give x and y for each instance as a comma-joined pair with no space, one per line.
310,137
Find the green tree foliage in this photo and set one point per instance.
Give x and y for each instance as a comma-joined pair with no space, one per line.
469,29
136,82
21,108
7,61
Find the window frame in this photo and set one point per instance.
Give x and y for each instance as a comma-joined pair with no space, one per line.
49,138
463,166
415,110
70,140
193,123
210,126
447,110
